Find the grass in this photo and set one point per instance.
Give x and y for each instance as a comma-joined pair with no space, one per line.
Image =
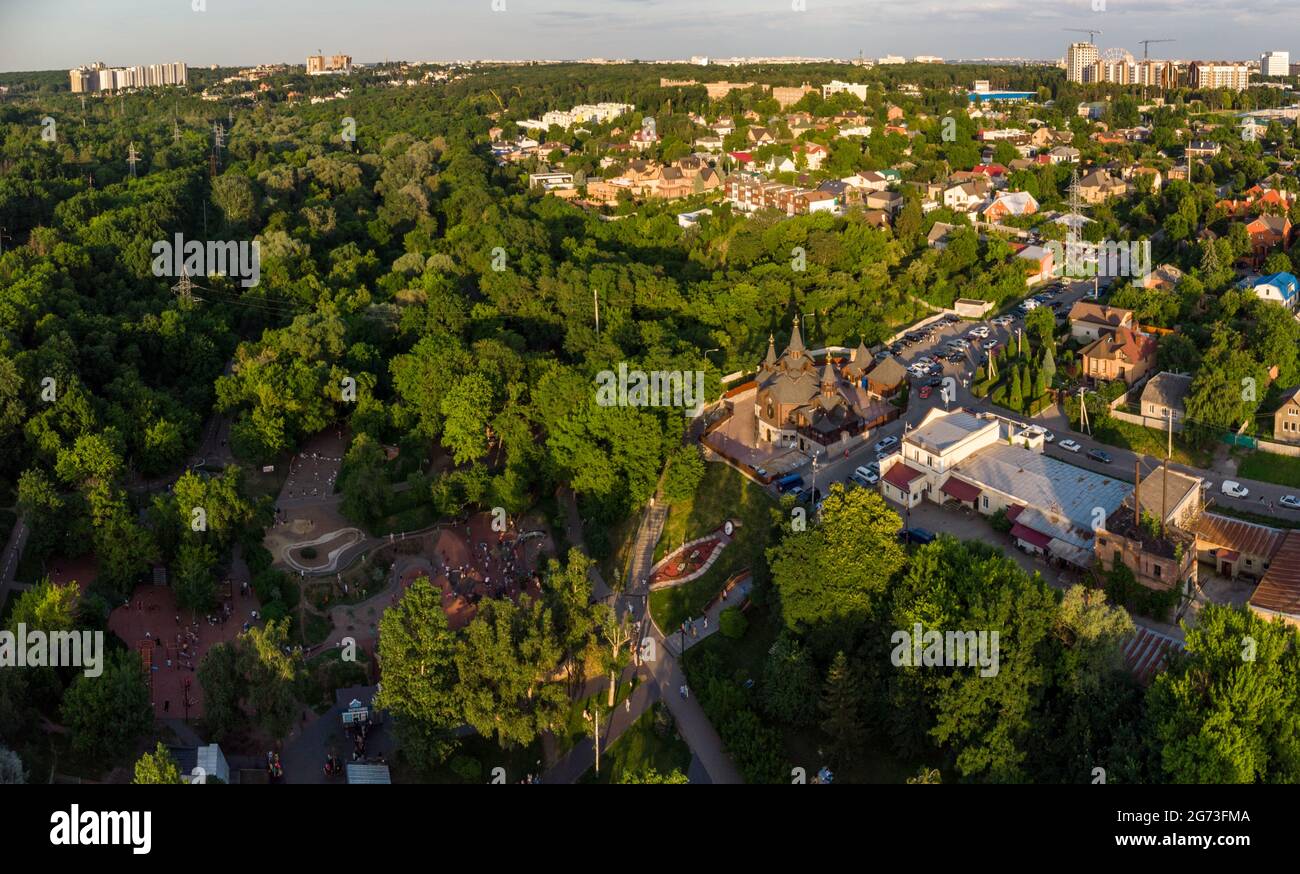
326,672
1269,467
516,762
723,493
1150,441
641,748
576,726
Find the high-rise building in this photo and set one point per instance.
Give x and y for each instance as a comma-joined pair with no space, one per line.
1079,57
1232,75
320,64
100,78
1275,64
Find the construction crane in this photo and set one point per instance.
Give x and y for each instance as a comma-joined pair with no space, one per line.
1146,46
1091,33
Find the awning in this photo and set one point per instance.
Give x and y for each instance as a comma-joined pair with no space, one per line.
960,490
1227,555
901,476
1030,536
1075,555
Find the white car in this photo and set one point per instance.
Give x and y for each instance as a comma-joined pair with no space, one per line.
1070,446
1290,501
886,443
866,476
1048,436
1234,489
982,331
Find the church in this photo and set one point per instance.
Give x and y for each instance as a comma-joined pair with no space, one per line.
801,404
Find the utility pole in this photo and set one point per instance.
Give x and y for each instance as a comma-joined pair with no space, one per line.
595,296
1083,413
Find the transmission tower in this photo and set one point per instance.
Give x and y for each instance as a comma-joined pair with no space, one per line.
176,132
185,289
131,159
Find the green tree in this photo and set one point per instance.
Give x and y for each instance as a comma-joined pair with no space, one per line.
836,571
158,767
789,685
418,674
841,708
650,775
106,714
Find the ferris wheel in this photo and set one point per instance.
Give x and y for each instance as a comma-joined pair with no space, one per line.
1117,55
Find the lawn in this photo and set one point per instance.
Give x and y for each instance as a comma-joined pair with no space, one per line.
1151,441
723,493
1270,467
576,726
640,748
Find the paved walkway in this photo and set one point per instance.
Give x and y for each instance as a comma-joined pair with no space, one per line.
702,627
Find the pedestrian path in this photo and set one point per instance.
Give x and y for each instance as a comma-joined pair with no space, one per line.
702,627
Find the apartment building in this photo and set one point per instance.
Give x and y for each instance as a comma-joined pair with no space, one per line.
835,86
1079,57
1232,75
320,65
750,195
98,77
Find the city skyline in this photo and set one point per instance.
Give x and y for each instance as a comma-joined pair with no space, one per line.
242,32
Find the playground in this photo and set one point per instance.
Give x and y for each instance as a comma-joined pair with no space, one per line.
473,561
172,644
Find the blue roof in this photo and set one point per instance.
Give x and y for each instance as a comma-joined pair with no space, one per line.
1285,283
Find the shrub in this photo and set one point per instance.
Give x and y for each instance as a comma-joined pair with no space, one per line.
467,768
733,623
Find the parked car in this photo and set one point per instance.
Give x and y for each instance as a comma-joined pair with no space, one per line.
925,392
1290,501
1099,455
867,476
886,443
1234,489
1070,446
788,482
982,331
915,535
935,382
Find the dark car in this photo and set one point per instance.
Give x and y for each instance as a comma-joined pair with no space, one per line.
915,535
935,382
1098,455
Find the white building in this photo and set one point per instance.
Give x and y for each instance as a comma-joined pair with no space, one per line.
1079,56
835,86
1275,64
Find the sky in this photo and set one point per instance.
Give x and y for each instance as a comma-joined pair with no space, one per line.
58,34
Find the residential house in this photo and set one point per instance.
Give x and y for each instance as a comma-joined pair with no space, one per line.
1286,418
1039,261
709,144
814,153
759,136
743,160
966,196
1124,354
1163,400
1099,186
877,218
938,236
1164,277
1136,174
1089,321
889,201
1277,287
1063,155
1202,149
1009,203
1268,232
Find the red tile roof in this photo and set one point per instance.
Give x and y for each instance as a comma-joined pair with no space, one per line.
960,489
901,475
1029,535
